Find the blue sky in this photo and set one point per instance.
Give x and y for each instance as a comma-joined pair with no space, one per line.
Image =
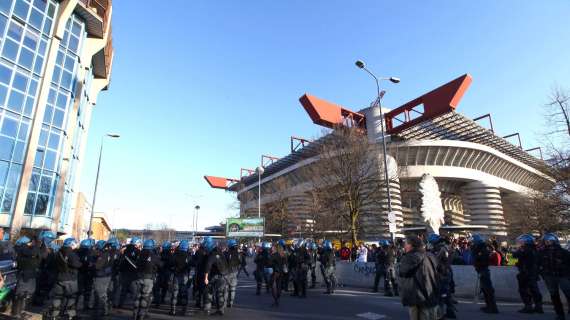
206,87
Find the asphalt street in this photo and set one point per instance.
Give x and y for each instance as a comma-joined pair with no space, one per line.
347,303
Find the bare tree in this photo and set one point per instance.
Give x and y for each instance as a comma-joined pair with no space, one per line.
558,112
344,176
277,215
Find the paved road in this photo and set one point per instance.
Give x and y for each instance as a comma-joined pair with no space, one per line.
347,303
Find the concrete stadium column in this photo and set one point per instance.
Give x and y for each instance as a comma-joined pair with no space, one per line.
299,207
483,202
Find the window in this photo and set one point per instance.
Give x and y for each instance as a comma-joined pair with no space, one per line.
10,127
21,9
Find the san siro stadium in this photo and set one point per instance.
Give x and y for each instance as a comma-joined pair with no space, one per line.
479,174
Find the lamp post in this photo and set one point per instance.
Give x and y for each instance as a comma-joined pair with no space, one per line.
259,171
110,135
361,65
196,208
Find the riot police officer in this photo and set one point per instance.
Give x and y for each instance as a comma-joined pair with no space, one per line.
180,265
380,263
128,268
46,276
114,285
200,259
162,286
329,266
263,268
390,283
147,265
553,266
313,258
234,263
104,261
86,272
64,292
480,252
299,260
279,265
527,277
215,277
28,261
438,247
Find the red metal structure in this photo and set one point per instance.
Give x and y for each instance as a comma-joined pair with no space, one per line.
245,172
298,143
220,182
328,114
267,160
436,102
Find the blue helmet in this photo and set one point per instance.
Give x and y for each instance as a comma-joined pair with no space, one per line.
208,243
299,243
183,245
148,244
313,246
114,243
551,237
101,244
433,238
47,236
266,245
166,245
232,243
327,244
69,243
54,246
136,241
282,243
86,244
526,239
383,243
23,241
477,239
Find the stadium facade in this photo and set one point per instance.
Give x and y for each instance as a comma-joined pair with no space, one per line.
479,174
55,58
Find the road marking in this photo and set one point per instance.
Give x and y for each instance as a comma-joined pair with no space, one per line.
371,316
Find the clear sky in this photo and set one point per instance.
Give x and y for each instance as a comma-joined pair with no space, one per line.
206,87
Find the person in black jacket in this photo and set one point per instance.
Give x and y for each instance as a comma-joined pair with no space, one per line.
28,261
527,277
263,268
554,262
243,261
46,275
418,280
64,292
103,271
215,277
115,283
86,274
200,259
480,251
163,283
180,265
328,263
234,263
128,269
299,260
379,263
390,283
147,265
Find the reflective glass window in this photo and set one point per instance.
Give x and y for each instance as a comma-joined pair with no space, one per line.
5,6
10,50
16,101
6,147
10,127
21,9
5,74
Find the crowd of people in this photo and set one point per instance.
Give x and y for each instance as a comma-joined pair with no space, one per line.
101,275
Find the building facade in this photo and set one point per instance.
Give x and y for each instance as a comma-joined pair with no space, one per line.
55,58
479,174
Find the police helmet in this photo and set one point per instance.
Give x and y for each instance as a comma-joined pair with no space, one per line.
184,245
477,239
282,243
232,243
166,245
433,238
384,243
136,241
148,244
86,244
47,236
551,237
23,241
101,244
114,243
525,239
69,243
208,244
327,244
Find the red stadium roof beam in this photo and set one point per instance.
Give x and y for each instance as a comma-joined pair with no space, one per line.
328,114
435,103
243,172
267,160
220,182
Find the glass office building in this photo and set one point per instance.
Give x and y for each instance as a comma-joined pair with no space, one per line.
55,57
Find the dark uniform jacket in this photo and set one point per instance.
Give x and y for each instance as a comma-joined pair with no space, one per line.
148,263
180,262
418,279
104,261
216,264
554,261
233,259
67,263
328,258
527,261
129,259
28,260
480,253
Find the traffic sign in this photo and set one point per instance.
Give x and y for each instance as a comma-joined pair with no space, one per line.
392,217
392,227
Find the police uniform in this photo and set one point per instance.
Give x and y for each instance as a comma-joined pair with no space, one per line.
128,271
64,293
263,264
114,290
163,282
313,266
234,263
527,278
553,266
200,259
86,274
103,271
180,267
380,263
480,252
390,283
280,267
28,261
147,265
328,262
217,270
446,307
299,260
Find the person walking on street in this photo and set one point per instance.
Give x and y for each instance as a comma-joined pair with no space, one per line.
147,265
527,277
481,258
379,263
553,267
418,280
328,264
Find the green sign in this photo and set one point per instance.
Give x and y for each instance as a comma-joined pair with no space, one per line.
245,227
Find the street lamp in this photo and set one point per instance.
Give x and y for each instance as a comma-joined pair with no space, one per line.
361,65
109,135
259,171
196,208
